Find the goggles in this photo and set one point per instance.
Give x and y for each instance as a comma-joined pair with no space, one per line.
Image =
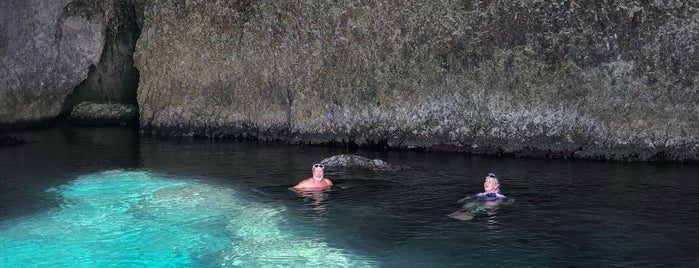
492,177
320,166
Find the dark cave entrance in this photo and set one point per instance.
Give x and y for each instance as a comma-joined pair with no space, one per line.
114,79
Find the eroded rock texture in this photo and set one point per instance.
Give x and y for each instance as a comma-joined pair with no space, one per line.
562,79
114,78
359,162
104,113
581,79
48,48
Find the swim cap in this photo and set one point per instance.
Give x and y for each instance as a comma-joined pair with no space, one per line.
492,177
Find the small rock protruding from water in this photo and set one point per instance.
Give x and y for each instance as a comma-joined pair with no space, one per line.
356,161
109,113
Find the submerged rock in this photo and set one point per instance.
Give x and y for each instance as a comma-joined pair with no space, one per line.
7,141
260,239
356,161
191,201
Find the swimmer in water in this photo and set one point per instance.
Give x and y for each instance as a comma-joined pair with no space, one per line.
488,199
314,188
318,181
491,191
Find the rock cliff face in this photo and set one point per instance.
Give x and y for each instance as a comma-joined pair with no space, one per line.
580,79
48,48
570,79
114,78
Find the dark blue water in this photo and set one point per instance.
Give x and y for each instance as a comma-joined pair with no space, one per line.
86,197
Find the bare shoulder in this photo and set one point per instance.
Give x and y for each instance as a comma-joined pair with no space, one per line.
303,183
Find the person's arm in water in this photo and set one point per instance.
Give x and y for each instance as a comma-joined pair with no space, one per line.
469,197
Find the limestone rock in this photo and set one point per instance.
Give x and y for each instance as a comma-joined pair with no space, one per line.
46,49
360,162
89,113
562,79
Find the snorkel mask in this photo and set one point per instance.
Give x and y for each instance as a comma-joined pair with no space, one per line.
321,167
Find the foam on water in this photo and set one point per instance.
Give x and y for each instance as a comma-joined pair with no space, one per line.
139,219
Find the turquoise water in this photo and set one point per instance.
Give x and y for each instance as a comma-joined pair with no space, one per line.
105,197
138,219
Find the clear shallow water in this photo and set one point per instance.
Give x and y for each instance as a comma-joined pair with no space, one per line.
86,197
134,218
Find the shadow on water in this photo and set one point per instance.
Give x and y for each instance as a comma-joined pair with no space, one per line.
55,156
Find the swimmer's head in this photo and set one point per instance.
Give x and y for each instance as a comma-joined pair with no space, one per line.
491,184
318,171
492,177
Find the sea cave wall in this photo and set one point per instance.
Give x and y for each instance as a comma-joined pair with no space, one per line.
564,79
56,54
46,49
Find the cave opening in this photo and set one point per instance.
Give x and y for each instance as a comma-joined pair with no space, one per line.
114,79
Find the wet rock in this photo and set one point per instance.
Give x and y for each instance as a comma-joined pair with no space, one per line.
89,113
360,162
